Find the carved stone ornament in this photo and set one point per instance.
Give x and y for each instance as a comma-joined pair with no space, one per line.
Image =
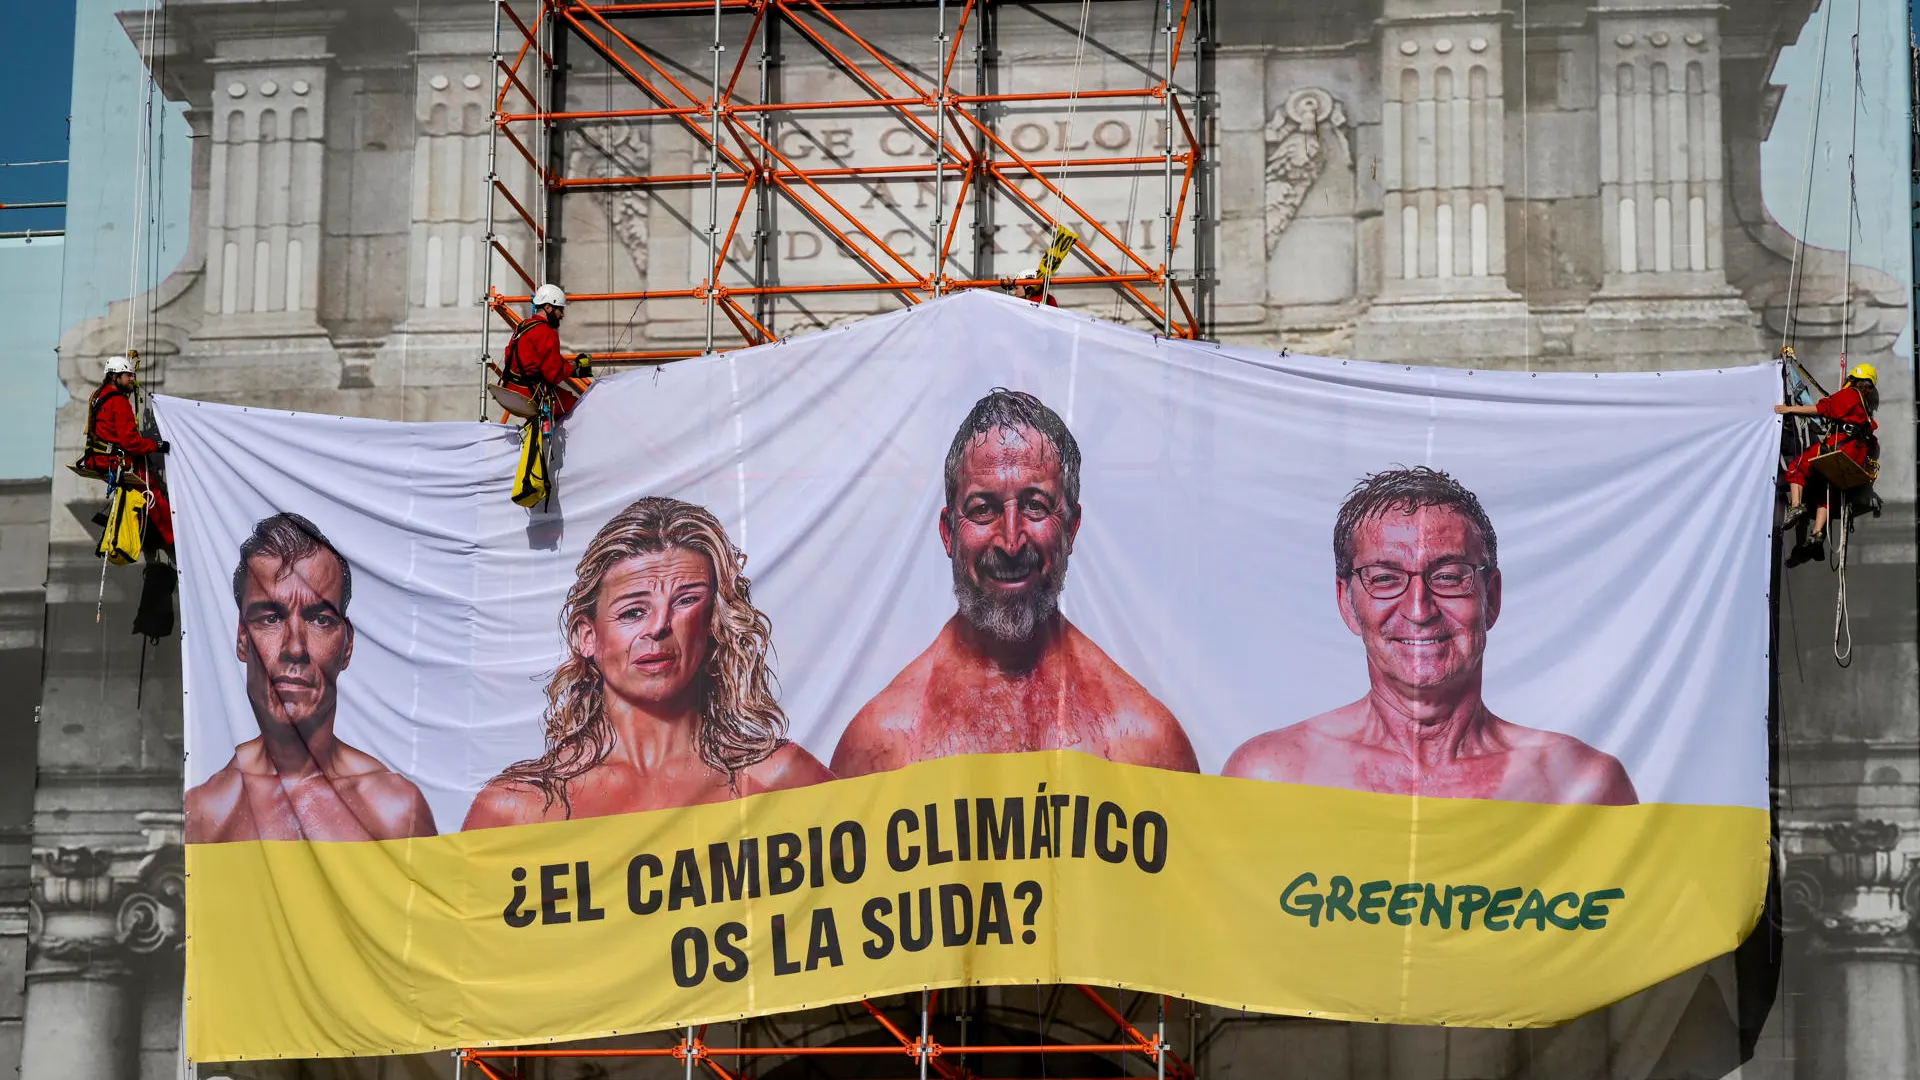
1297,136
609,149
95,906
1852,887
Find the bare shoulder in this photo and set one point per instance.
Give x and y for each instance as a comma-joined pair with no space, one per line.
211,803
1140,729
1285,754
879,735
509,802
397,807
1576,772
350,760
791,766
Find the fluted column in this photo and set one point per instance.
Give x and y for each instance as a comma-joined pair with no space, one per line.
267,116
96,915
1442,237
263,228
1662,178
1442,156
1849,896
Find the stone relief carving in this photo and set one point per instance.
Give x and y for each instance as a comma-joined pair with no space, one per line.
1861,891
1297,136
617,149
102,906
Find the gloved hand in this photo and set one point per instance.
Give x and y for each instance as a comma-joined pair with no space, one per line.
583,366
164,447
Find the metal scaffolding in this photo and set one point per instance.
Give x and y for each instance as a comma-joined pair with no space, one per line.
922,1053
747,172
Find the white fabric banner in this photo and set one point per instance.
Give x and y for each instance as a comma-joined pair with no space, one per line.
1632,515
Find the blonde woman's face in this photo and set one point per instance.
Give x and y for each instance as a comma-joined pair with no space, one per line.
652,628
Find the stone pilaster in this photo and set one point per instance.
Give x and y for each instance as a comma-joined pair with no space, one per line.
263,224
1662,183
97,918
1442,157
261,91
1443,246
453,104
1849,896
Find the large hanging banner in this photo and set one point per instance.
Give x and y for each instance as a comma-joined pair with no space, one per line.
977,643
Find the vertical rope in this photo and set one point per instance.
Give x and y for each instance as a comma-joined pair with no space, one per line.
1795,270
939,150
1853,195
713,179
1526,195
1166,196
143,150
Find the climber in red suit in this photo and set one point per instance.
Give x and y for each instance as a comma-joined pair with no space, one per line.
533,354
115,445
1849,415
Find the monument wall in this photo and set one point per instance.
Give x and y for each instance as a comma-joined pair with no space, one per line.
1544,185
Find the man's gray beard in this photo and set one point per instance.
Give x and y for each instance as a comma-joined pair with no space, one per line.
1013,619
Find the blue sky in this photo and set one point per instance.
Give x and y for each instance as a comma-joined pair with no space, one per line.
1882,227
37,84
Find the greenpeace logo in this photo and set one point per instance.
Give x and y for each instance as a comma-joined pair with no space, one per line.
1445,906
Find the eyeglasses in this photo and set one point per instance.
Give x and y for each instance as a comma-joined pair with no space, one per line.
1451,580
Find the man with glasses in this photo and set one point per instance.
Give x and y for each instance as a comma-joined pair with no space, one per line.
1008,672
1418,580
297,780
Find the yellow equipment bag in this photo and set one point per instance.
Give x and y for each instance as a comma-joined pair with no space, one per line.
530,479
120,543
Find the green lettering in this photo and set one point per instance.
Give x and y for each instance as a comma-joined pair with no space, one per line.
1593,913
1472,899
1434,905
1400,906
1533,907
1373,895
1339,892
1501,908
1309,906
1564,922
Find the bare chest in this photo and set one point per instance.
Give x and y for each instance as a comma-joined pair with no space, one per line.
306,808
621,789
1503,775
962,715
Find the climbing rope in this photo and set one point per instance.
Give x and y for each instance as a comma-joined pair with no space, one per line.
1840,523
1154,39
1796,269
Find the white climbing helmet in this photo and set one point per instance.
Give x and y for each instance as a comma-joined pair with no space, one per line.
547,295
120,365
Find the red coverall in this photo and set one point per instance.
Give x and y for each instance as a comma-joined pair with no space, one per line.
114,442
1844,405
533,358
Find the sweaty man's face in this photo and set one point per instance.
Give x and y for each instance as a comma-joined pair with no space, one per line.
652,628
1009,533
293,638
1417,640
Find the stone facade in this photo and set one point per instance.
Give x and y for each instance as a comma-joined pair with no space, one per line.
1421,180
23,561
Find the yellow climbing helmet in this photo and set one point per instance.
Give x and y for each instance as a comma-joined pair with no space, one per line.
1865,371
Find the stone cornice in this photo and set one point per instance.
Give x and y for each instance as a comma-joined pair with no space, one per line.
100,907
